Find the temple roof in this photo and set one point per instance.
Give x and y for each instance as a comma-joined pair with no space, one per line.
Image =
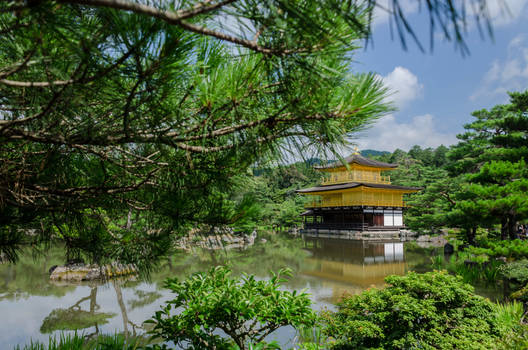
353,185
358,159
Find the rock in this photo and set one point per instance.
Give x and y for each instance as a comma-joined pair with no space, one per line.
408,233
444,231
51,269
83,272
449,248
424,238
74,272
215,238
431,241
237,239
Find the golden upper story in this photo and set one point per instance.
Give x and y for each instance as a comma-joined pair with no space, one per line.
355,173
359,183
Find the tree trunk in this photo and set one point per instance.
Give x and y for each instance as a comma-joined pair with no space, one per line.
512,230
471,233
504,228
129,219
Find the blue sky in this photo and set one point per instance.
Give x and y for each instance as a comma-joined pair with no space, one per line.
436,92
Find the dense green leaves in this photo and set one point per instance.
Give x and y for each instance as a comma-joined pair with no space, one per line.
492,157
516,271
216,310
117,125
145,111
428,311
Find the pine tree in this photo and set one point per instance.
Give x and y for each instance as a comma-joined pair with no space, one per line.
492,154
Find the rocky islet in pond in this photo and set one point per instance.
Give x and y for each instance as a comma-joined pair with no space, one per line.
77,272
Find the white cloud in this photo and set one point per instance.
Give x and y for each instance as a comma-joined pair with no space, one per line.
388,134
404,86
506,12
510,74
384,8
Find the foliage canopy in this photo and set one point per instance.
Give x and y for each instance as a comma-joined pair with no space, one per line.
429,311
124,121
120,125
244,309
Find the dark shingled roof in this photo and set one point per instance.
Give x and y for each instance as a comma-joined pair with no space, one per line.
355,184
358,159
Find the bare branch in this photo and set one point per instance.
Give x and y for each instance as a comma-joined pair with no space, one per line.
177,18
20,66
203,8
15,83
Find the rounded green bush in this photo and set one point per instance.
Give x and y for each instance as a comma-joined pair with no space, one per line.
418,311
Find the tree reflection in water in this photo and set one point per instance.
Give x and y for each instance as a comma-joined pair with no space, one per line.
124,314
75,318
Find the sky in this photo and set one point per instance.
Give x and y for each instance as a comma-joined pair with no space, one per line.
435,92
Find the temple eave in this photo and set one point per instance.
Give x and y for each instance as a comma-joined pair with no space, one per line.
351,185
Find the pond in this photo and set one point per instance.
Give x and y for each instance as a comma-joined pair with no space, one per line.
34,307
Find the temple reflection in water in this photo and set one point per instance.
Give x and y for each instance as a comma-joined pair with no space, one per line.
349,266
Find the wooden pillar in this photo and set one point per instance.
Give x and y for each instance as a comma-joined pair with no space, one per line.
362,219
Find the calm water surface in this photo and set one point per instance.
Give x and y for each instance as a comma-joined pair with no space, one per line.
33,307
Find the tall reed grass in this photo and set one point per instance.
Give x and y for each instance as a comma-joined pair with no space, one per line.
79,342
514,333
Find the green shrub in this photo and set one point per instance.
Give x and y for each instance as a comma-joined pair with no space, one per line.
477,254
243,309
516,249
426,311
521,294
516,271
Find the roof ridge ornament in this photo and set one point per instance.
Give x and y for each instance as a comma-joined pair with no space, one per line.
357,159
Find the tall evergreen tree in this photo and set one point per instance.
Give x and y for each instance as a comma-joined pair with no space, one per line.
493,152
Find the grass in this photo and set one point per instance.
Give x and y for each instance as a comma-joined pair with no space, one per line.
486,272
509,314
514,334
437,261
78,342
